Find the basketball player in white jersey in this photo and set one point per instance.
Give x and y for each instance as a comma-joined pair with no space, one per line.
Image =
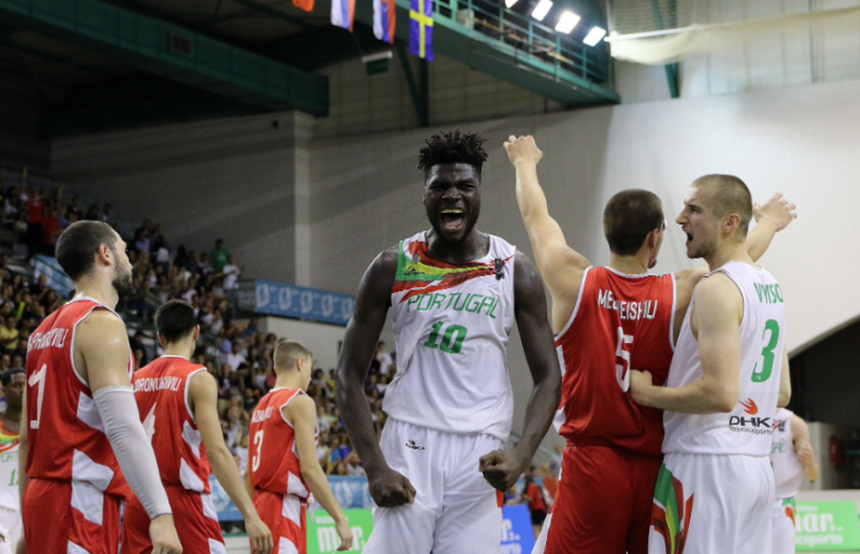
792,458
14,382
729,372
455,293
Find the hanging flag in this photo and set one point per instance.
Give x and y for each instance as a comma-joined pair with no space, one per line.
342,12
384,18
306,5
421,29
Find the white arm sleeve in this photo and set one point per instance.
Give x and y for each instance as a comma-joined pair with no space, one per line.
132,448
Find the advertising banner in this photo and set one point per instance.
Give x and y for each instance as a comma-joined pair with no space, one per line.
826,526
301,302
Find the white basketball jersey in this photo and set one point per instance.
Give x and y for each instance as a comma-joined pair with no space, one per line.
9,497
787,471
451,325
747,429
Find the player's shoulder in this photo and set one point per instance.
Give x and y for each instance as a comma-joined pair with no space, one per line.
101,323
716,287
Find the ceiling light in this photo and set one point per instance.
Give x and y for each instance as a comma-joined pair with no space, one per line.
510,3
594,36
541,9
567,22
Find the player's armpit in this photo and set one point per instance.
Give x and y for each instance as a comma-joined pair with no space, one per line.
102,350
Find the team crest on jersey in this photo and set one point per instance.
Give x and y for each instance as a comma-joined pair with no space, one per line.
779,425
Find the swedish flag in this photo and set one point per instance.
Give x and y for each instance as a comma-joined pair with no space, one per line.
421,28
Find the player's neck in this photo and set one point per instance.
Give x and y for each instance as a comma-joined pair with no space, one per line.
183,349
288,380
11,419
728,251
631,265
99,290
474,247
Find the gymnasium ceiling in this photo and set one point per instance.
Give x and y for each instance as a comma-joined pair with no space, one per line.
95,69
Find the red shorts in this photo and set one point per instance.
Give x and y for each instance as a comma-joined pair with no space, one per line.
603,503
198,533
284,515
53,526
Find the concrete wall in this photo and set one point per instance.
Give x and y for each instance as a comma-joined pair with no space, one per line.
321,339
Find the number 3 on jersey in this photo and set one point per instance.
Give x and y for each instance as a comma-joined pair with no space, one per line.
258,442
767,352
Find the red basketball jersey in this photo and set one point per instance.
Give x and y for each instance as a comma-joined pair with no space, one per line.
66,436
274,458
620,322
161,391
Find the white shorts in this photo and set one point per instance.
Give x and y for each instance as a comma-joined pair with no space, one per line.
540,542
455,510
10,528
783,526
705,504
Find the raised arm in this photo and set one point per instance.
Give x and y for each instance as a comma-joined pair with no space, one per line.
101,356
502,469
301,411
561,266
784,382
803,448
720,305
387,487
203,397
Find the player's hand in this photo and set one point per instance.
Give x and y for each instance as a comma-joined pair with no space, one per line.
804,454
639,381
163,535
522,149
260,536
390,489
345,534
777,209
502,468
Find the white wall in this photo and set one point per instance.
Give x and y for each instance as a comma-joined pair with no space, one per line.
320,338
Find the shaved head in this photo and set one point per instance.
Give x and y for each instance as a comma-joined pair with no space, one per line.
726,194
287,353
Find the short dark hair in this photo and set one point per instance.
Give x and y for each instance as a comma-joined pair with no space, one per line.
175,319
452,147
628,218
728,194
7,375
77,245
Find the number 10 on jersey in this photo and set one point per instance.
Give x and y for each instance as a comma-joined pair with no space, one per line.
452,338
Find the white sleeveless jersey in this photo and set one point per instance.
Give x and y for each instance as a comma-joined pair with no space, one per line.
748,428
451,326
787,471
9,446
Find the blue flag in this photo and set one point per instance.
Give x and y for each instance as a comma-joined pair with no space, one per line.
421,29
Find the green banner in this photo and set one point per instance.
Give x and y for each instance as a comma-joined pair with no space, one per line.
322,535
826,526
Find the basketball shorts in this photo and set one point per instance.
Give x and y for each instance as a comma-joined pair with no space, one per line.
603,502
69,517
455,510
709,503
10,528
783,526
194,516
284,515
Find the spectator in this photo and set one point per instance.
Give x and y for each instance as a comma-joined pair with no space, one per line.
219,257
384,359
231,273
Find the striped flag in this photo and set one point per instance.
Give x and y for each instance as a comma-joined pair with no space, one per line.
306,5
342,13
421,29
384,18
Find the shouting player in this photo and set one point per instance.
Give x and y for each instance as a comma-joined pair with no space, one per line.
80,419
455,293
178,404
728,375
283,468
607,320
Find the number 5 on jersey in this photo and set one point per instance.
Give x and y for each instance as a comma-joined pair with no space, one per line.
622,370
